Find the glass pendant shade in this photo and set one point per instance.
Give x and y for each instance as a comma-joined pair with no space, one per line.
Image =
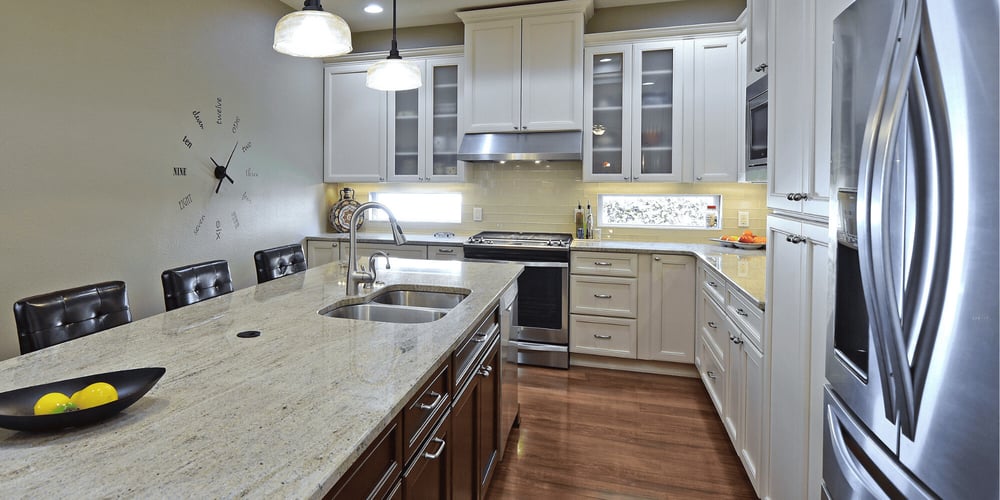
312,33
393,74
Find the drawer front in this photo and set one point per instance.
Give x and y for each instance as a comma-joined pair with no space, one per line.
600,296
423,411
713,375
712,282
713,326
437,252
604,264
747,316
474,345
401,251
602,336
375,472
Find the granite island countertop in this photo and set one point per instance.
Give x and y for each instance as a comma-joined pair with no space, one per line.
282,415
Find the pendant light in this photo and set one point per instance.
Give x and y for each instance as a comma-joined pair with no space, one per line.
393,73
312,32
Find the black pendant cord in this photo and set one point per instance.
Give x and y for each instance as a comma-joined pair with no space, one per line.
393,49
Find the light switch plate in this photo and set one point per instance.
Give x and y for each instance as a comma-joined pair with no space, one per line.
477,214
744,219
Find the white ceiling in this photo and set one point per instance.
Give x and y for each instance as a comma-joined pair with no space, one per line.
425,12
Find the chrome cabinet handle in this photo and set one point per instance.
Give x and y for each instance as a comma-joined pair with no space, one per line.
635,177
741,312
710,374
479,338
602,296
711,324
657,258
437,401
446,250
602,337
760,67
794,238
601,263
485,371
432,456
698,178
736,340
712,284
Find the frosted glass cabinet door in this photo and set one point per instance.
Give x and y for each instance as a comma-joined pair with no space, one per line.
656,123
443,139
406,133
607,102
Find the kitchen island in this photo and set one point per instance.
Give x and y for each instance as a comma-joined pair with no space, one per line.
283,415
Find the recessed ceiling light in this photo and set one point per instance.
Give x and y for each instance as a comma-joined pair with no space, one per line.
373,8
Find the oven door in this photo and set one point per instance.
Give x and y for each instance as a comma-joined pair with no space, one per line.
542,302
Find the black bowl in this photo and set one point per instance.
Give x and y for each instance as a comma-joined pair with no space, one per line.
17,406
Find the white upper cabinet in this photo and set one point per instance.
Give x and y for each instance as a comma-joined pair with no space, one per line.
354,132
662,111
715,112
524,67
757,64
423,125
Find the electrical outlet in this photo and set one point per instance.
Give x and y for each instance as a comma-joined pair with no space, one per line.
744,219
477,214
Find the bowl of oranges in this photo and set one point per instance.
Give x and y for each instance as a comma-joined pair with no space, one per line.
75,402
746,241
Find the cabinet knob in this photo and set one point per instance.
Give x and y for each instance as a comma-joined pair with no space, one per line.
515,128
524,128
657,258
794,238
736,340
712,324
485,371
635,177
710,374
741,312
698,178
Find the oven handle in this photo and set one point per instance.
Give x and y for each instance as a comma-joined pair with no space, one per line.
525,264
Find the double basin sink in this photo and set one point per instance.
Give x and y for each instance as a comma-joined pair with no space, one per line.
399,304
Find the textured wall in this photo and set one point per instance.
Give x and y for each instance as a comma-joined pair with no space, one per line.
95,100
538,198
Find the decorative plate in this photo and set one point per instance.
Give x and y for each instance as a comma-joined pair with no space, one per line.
17,406
723,242
343,210
748,246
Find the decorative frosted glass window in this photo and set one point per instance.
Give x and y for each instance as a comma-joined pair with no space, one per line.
656,210
418,207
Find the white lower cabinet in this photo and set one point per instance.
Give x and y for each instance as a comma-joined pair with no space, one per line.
672,291
603,336
320,252
325,251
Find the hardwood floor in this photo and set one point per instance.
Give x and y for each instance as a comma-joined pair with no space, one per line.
594,433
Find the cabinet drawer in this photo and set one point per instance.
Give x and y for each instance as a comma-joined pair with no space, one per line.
713,375
421,413
604,264
374,474
603,336
747,316
712,282
437,252
401,251
603,296
468,352
713,326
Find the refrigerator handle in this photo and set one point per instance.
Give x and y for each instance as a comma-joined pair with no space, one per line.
886,304
868,208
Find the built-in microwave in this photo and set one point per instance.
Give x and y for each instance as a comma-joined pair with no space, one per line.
756,166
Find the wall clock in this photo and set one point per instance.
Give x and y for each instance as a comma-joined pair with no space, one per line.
216,174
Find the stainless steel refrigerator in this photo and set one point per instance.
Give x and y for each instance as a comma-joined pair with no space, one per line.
911,405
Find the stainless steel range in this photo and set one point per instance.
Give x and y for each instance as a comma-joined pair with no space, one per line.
541,325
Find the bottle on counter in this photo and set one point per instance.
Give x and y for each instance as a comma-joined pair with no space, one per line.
711,217
589,232
578,218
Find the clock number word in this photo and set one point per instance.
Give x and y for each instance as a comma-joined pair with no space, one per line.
246,198
245,148
251,172
218,111
180,171
197,226
236,221
184,202
197,119
187,142
236,124
218,229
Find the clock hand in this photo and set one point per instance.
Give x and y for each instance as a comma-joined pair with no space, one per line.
220,184
231,153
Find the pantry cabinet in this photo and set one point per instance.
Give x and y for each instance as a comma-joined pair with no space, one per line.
525,67
662,111
354,126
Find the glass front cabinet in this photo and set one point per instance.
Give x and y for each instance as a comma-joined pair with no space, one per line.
423,135
635,129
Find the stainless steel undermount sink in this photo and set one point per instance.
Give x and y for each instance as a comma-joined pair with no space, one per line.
399,305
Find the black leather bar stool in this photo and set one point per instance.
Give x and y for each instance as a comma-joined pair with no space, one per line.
56,317
274,263
186,285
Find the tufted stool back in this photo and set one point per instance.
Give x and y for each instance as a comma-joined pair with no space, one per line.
276,262
55,317
186,285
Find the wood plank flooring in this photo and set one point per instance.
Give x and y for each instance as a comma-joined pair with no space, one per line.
595,433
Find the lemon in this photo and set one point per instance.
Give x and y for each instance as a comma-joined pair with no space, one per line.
95,394
53,402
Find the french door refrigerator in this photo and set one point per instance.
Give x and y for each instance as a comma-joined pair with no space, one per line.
911,405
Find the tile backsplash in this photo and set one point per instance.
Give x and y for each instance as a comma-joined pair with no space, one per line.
541,197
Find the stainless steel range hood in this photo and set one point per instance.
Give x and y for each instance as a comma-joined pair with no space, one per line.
547,146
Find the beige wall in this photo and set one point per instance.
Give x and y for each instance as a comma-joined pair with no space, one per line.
95,98
542,198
